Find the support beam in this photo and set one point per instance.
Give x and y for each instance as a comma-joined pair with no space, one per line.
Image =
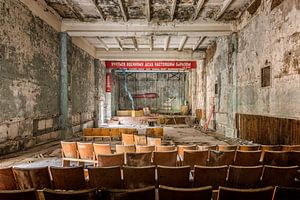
182,43
76,12
225,5
173,8
135,44
100,11
198,8
103,43
167,42
151,42
122,7
148,9
119,43
199,42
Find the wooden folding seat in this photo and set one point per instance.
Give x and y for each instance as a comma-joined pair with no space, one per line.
174,176
138,177
247,158
115,133
219,158
147,193
88,132
105,177
125,148
172,193
165,158
69,152
144,148
7,179
290,148
227,147
276,158
286,193
127,139
244,177
101,149
140,140
87,194
213,176
153,141
36,178
68,178
86,152
156,132
279,176
128,131
195,157
138,159
110,160
30,194
206,147
165,148
245,194
181,148
264,148
248,147
294,158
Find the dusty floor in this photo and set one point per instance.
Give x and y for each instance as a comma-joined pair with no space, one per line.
49,154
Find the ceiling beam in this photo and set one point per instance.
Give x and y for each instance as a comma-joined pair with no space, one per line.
225,5
100,11
76,12
151,42
103,43
173,8
119,43
199,42
182,43
148,10
167,42
135,44
122,7
198,8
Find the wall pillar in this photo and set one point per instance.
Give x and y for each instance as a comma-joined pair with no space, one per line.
97,93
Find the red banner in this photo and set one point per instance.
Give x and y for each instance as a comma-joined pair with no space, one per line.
151,64
108,82
145,96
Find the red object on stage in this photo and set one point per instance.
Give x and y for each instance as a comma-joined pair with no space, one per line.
146,96
151,64
108,82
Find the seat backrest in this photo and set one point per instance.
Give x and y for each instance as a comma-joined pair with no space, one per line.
290,147
101,149
165,148
214,176
69,149
264,148
127,139
195,157
153,141
32,178
207,147
138,159
276,158
248,147
138,177
68,178
87,194
86,150
140,140
218,158
294,158
7,178
165,158
88,132
174,176
245,194
18,194
181,148
124,148
144,148
227,147
244,177
110,160
114,132
247,158
147,193
167,193
155,132
286,193
105,177
102,132
279,176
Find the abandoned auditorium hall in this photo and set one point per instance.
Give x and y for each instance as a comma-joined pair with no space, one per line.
149,99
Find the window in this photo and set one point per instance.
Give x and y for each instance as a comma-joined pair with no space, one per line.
216,89
266,76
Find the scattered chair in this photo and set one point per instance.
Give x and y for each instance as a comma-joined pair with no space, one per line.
206,147
87,194
174,176
140,140
244,177
165,148
279,176
138,159
138,177
227,147
101,149
105,177
32,178
214,176
110,160
127,139
7,178
286,193
181,148
153,141
195,157
165,158
69,152
245,194
143,149
171,193
147,193
219,158
125,148
247,158
18,194
248,147
68,178
276,158
86,152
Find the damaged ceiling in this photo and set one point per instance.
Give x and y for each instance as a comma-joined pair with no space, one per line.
85,18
